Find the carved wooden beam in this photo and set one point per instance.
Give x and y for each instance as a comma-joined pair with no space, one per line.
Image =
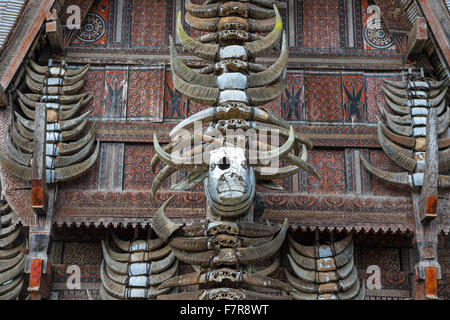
40,280
39,181
417,38
438,19
427,268
429,195
54,31
25,33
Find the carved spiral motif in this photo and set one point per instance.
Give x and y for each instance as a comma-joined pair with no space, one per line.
92,29
378,38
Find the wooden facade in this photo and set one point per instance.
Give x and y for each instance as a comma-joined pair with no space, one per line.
333,94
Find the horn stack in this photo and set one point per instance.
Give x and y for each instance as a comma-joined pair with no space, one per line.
70,139
12,255
324,271
404,136
235,87
134,269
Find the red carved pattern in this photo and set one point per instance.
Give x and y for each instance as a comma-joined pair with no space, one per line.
374,96
321,23
390,280
82,253
89,273
137,169
195,107
176,106
148,22
274,106
394,14
293,98
116,93
330,168
94,83
146,93
388,259
382,37
323,98
94,27
88,181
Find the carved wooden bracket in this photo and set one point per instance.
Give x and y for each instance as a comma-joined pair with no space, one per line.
54,31
417,38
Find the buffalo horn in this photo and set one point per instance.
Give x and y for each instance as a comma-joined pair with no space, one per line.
186,73
399,155
394,177
76,170
258,47
251,255
274,72
201,50
162,226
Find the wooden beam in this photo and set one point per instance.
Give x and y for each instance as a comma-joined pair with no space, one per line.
25,33
53,30
429,192
438,19
3,99
417,38
121,57
40,280
39,181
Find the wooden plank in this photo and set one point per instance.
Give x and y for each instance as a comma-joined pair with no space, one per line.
417,38
429,194
39,181
54,32
438,19
24,35
124,57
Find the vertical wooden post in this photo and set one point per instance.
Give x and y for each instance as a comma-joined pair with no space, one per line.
427,268
39,183
38,265
429,194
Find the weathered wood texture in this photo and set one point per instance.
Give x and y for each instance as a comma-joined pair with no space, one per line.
438,19
38,167
25,33
417,38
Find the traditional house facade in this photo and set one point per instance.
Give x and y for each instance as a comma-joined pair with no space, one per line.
95,206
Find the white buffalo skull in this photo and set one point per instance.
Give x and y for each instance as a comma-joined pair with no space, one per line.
230,185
